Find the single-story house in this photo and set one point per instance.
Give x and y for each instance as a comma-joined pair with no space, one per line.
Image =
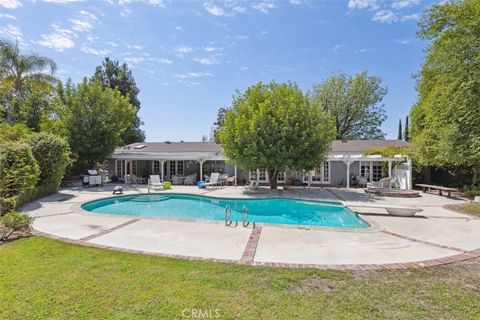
345,159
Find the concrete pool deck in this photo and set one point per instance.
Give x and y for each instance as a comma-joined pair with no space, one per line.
435,236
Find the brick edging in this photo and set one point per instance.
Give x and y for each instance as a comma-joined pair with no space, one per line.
251,247
467,255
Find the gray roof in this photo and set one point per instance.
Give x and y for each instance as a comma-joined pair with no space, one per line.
338,146
361,146
176,147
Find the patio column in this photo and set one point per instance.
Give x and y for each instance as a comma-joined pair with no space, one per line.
371,171
409,175
235,175
126,171
348,173
309,178
161,169
390,168
201,169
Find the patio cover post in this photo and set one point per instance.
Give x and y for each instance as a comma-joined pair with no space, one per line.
161,169
348,173
126,172
309,178
389,168
235,175
201,169
409,175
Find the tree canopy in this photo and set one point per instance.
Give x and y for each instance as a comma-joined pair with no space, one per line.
445,121
94,118
354,103
113,75
275,127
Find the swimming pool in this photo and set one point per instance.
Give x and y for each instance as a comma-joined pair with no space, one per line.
264,210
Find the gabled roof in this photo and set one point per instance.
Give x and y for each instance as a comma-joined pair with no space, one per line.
167,146
361,146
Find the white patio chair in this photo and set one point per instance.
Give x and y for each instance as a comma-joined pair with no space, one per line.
214,180
231,180
206,178
189,180
155,183
176,180
384,183
253,185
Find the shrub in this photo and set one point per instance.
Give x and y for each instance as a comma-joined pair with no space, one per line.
53,156
13,222
18,174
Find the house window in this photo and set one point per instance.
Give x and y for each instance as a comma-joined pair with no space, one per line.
262,175
326,172
134,167
365,170
319,175
165,166
253,175
281,176
119,171
156,167
376,172
180,168
172,168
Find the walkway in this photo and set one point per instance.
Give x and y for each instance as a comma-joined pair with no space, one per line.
437,236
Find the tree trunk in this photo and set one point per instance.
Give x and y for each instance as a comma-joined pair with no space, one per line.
272,176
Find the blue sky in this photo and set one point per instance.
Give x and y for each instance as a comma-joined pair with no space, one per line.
188,57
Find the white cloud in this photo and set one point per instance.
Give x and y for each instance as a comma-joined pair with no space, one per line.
205,60
10,4
134,60
88,15
192,75
113,44
213,9
264,6
60,39
63,1
81,26
296,2
400,4
12,31
161,60
178,28
264,32
241,37
7,16
211,49
363,4
94,51
384,16
403,41
336,49
183,49
157,3
365,50
125,12
409,17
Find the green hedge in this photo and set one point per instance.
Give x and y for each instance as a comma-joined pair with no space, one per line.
53,156
19,174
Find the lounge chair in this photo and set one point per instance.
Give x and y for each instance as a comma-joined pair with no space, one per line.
231,180
253,185
385,183
206,178
176,180
214,180
155,183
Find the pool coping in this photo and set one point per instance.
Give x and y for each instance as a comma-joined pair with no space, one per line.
373,225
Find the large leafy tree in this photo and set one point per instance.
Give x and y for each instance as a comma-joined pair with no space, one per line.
275,126
354,103
222,111
113,75
20,75
445,120
94,117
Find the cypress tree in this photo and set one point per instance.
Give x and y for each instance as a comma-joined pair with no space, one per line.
399,129
406,135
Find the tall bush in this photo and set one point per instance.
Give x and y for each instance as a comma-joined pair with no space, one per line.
53,156
19,173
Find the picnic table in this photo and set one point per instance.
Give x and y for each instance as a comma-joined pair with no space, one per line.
426,187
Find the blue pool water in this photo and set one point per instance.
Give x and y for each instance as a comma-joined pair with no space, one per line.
268,210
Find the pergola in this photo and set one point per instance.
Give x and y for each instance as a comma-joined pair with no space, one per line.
348,159
200,157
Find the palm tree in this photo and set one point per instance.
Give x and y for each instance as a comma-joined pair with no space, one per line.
19,70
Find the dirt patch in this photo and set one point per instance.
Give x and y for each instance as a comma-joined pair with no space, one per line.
314,284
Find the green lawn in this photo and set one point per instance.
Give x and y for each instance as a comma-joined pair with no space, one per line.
43,278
